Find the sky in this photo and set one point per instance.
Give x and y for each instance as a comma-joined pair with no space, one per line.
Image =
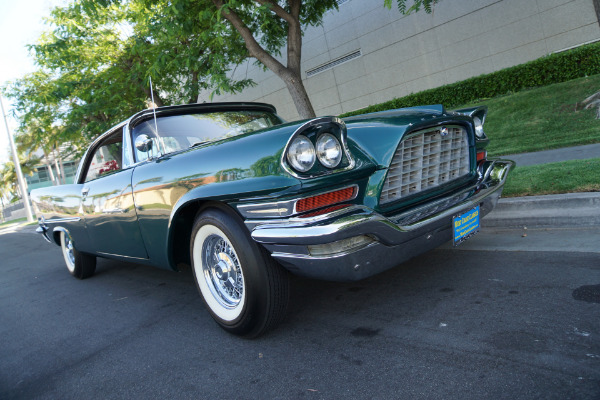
21,23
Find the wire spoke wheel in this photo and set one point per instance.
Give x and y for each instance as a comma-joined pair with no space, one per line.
244,289
80,265
218,272
222,271
67,249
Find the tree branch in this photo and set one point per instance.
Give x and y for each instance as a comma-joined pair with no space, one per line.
254,48
294,51
157,100
277,9
195,88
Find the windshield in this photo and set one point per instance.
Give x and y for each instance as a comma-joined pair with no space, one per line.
179,132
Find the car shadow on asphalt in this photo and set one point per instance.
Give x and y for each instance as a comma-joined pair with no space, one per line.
401,293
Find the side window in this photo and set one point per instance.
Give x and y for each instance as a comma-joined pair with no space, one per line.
107,158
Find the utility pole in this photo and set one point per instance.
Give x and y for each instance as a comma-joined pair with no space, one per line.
22,185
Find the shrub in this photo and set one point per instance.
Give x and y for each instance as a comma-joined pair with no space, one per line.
553,68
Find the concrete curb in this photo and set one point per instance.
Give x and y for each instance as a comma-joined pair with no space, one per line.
557,210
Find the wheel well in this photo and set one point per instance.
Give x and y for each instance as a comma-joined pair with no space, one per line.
182,224
56,234
56,237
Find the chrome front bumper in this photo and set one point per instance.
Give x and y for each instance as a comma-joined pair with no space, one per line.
356,242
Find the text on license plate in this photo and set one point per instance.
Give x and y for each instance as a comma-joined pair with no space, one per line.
465,225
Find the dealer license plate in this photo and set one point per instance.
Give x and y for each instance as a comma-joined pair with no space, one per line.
465,225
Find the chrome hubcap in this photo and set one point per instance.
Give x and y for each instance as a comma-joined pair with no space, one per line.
222,271
69,246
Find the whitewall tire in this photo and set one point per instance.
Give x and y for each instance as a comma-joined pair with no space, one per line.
244,289
80,265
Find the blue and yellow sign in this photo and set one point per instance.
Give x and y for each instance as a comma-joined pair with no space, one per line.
465,225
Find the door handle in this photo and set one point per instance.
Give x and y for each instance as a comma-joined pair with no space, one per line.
85,191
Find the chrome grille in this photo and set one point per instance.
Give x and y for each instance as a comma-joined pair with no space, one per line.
425,160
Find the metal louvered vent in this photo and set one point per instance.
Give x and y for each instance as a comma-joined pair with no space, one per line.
341,2
425,160
333,63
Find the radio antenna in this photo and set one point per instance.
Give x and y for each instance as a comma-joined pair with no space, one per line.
154,112
153,105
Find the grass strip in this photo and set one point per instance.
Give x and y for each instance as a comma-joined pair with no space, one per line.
13,222
542,118
561,177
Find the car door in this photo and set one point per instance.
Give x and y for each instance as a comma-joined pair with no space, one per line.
107,201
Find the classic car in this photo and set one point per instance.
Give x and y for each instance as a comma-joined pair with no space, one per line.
246,198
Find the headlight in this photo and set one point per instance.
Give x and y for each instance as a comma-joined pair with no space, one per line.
301,154
478,127
329,150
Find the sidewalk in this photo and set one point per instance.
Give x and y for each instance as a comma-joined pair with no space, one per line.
557,210
557,155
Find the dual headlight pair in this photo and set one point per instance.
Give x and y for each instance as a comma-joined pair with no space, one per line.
302,154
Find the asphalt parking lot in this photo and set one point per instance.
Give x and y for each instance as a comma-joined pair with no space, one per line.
521,321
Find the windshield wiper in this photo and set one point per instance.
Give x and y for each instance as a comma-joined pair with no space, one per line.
198,143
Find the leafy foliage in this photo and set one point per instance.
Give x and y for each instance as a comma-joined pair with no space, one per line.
8,176
97,56
96,60
416,6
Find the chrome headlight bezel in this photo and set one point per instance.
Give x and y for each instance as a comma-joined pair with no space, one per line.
329,150
312,130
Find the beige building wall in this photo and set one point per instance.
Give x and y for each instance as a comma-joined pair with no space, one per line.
395,55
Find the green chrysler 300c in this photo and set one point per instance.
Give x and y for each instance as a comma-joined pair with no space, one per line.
245,198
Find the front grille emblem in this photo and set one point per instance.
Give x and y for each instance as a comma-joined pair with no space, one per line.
444,131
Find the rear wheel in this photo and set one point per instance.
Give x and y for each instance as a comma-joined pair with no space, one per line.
244,289
80,265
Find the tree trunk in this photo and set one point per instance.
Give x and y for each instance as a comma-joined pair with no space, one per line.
157,100
62,170
50,172
298,92
590,102
195,85
59,176
290,74
2,206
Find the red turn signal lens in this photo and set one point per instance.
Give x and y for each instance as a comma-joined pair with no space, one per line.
325,199
481,156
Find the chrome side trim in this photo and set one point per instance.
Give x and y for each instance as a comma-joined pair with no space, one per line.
268,210
114,211
121,256
61,220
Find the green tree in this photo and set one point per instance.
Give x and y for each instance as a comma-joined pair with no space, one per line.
96,59
266,26
9,186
